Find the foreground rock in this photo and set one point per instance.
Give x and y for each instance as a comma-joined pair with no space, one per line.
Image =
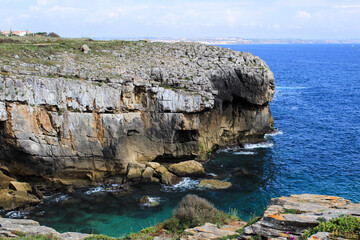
211,231
188,169
214,184
297,213
9,226
70,118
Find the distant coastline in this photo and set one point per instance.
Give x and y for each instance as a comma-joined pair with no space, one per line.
238,40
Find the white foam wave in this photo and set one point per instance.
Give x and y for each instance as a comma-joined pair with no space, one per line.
16,214
274,133
244,153
227,149
60,198
186,184
95,190
107,188
211,174
258,145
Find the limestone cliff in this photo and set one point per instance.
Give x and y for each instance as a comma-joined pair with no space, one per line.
69,115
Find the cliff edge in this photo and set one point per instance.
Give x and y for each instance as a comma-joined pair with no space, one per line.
77,117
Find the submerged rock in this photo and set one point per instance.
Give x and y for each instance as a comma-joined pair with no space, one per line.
214,184
187,169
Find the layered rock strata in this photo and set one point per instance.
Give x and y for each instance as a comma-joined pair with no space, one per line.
73,118
292,215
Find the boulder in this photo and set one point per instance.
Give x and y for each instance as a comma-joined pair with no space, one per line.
297,213
10,199
5,181
31,227
211,231
85,48
187,168
166,177
20,186
214,184
169,179
148,173
153,165
149,201
135,170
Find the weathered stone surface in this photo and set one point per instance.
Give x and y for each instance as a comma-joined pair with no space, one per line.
211,231
3,113
320,236
20,186
308,210
169,179
25,226
135,170
32,227
187,168
73,236
10,199
153,165
90,115
148,173
214,184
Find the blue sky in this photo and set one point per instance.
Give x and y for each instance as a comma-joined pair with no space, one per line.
306,19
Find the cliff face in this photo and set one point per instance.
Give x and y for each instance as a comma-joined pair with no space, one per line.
68,115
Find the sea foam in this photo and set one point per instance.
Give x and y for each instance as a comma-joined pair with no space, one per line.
184,185
258,145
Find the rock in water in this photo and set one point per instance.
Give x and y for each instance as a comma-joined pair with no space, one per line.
214,184
149,201
187,169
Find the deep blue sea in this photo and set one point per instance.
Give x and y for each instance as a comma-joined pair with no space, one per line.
316,109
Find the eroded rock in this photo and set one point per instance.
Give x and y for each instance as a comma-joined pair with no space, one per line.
187,168
214,184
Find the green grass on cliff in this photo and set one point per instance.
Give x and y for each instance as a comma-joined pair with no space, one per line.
346,227
33,49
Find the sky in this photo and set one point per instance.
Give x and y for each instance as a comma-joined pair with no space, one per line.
264,19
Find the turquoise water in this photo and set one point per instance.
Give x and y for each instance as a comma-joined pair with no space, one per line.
316,109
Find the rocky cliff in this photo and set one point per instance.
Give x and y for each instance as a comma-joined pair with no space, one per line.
71,117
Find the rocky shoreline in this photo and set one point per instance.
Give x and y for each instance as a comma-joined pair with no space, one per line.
285,218
71,118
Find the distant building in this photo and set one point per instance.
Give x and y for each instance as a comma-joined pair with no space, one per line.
17,33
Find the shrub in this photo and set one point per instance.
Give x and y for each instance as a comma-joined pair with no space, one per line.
195,211
347,227
52,34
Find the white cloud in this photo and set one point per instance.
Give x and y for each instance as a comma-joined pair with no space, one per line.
303,15
350,6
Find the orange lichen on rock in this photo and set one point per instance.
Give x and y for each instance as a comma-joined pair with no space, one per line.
277,217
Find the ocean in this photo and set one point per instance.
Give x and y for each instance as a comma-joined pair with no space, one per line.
316,149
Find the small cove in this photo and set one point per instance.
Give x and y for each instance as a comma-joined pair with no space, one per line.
315,151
